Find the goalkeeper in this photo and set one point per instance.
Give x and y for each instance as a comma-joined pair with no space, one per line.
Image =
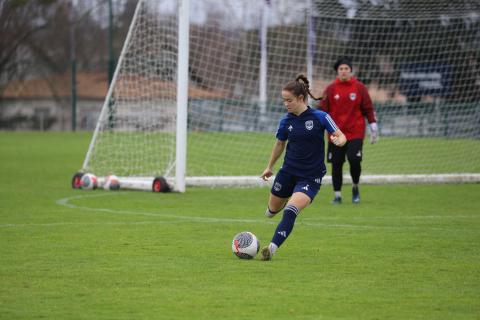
347,101
298,181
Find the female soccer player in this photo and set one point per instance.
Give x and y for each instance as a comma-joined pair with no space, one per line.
347,101
298,181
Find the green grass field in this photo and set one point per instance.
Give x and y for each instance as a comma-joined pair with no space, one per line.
406,252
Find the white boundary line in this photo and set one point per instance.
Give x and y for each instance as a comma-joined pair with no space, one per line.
59,224
145,183
307,221
66,202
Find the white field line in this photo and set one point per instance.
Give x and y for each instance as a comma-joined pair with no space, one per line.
59,224
66,202
430,217
311,222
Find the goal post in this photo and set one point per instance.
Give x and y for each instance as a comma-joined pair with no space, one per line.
196,93
182,94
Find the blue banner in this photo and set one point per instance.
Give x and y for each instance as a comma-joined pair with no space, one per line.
425,79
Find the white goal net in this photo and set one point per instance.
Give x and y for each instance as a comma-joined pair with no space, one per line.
420,61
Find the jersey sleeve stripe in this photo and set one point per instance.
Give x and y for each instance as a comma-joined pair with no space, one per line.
331,122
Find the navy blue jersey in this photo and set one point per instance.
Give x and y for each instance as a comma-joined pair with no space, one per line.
305,155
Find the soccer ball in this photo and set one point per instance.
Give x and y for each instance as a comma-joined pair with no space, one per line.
88,181
245,245
111,182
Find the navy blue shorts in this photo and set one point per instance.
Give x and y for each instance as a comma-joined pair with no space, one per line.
286,184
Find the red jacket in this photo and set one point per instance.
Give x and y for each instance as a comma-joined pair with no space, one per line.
348,103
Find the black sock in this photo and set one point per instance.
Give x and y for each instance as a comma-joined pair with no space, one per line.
285,226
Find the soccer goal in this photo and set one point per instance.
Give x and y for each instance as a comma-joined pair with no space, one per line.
196,94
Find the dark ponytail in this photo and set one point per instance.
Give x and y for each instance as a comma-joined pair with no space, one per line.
300,87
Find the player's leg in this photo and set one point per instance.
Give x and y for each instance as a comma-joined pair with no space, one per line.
275,205
354,156
336,156
303,195
281,191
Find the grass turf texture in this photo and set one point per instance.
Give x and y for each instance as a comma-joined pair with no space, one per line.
406,252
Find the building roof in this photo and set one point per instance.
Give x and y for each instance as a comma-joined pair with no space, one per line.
95,86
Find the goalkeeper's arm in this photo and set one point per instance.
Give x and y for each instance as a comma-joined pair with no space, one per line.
368,111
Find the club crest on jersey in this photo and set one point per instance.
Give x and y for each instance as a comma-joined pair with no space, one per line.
309,124
336,97
353,96
277,186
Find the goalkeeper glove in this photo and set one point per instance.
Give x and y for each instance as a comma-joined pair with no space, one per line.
373,133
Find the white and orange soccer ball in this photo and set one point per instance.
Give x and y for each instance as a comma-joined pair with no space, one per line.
245,245
89,181
111,182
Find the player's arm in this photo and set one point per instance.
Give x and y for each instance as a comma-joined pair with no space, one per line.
338,138
336,135
368,111
277,151
366,106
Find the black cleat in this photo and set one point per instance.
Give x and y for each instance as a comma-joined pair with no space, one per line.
355,195
337,200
